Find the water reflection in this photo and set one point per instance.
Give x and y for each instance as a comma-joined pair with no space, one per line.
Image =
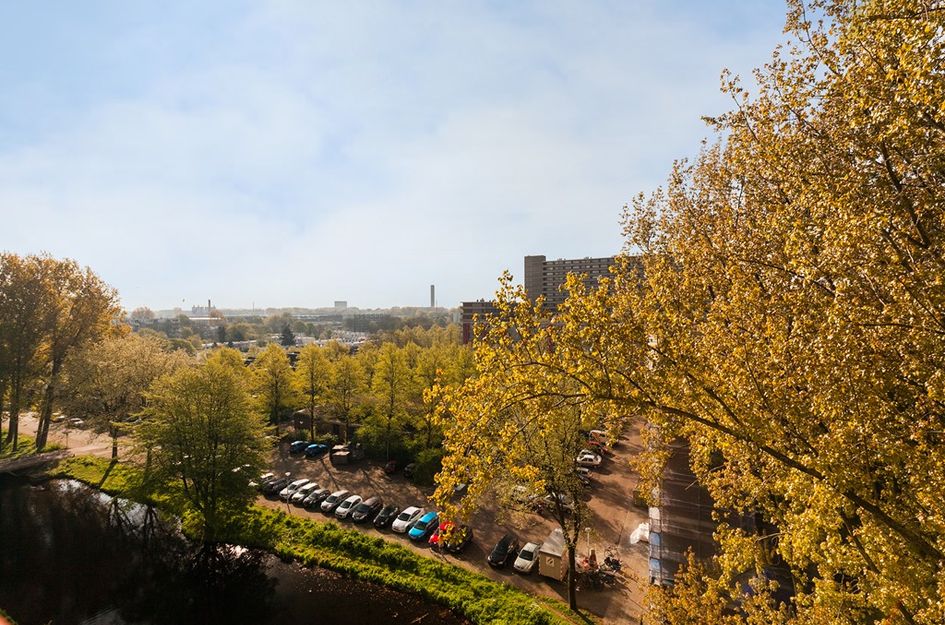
72,556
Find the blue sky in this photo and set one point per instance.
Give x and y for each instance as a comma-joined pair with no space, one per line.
294,153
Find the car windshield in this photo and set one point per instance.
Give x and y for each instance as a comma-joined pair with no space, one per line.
331,499
404,516
421,525
526,555
362,508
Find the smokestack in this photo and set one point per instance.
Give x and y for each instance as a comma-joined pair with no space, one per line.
432,296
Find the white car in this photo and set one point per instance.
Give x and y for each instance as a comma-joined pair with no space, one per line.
527,558
347,506
334,500
406,519
588,458
600,437
303,492
289,490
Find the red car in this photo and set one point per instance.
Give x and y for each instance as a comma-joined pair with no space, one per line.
451,538
391,467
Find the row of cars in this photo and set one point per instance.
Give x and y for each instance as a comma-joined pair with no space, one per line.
419,524
416,522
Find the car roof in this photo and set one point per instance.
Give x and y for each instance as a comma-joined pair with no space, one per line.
341,493
531,547
352,497
429,515
371,500
412,509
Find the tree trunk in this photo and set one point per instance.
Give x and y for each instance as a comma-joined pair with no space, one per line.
3,391
572,580
311,414
114,432
13,430
45,413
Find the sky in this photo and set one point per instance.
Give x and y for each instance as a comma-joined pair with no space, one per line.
296,153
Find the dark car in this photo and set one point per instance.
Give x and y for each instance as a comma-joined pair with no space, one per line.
504,551
367,509
386,516
315,450
458,540
297,447
316,497
408,470
273,487
391,467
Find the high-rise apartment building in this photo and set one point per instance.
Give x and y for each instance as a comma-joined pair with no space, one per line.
542,277
545,277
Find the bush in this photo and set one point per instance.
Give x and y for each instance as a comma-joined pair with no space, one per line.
428,465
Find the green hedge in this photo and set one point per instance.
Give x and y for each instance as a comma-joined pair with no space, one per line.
328,545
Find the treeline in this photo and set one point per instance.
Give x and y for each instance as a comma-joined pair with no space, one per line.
49,310
392,389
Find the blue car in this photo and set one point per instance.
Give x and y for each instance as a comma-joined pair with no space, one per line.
425,526
298,447
315,450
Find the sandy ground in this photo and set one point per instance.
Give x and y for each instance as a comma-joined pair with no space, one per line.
613,517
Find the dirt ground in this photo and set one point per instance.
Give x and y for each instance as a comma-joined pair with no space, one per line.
613,517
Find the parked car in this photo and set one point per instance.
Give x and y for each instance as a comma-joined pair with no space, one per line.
600,436
290,489
299,496
524,498
424,527
333,500
274,486
346,507
315,450
587,458
406,519
503,551
262,480
584,475
566,502
409,469
386,516
453,538
527,558
367,509
316,497
297,447
391,467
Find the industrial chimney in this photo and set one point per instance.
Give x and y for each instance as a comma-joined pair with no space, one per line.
432,296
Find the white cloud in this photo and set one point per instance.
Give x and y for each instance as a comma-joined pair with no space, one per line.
361,152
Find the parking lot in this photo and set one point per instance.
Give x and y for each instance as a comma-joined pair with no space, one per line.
612,518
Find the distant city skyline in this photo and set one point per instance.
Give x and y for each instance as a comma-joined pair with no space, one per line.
297,153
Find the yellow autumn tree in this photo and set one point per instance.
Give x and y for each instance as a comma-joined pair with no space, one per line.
787,318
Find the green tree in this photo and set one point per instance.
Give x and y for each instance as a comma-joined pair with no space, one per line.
346,388
207,439
288,338
23,311
106,382
80,308
390,387
312,379
272,382
221,333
